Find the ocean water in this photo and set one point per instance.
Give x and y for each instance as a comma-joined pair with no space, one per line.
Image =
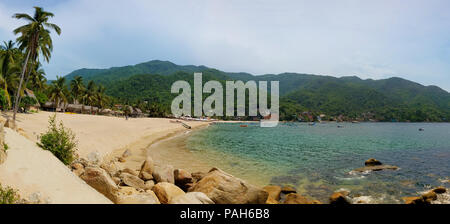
318,159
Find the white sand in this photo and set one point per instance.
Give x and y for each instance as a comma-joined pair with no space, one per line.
30,169
104,134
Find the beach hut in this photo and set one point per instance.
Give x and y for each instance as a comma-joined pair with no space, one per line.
74,108
30,94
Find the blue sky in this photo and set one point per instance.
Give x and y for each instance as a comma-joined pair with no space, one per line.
370,39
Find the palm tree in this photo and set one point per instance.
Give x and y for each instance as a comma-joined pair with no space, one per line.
58,91
77,87
7,56
37,78
89,96
101,97
34,39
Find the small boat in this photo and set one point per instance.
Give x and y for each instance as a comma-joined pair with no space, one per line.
312,123
340,126
243,125
421,129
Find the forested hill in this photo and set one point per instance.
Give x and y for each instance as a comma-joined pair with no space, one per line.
392,99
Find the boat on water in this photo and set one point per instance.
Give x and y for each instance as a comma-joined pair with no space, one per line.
312,123
243,125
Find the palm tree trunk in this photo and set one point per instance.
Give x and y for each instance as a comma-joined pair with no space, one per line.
22,75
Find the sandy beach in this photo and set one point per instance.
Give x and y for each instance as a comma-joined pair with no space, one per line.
109,136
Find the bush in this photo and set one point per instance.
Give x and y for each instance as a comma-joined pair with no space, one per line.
8,195
59,140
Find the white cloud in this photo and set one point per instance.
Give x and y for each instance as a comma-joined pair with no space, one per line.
374,39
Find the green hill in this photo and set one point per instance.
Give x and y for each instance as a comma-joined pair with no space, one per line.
351,97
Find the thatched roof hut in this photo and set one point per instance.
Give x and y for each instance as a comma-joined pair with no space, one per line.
75,108
30,94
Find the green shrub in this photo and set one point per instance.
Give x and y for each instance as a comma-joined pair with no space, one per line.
59,140
5,147
8,195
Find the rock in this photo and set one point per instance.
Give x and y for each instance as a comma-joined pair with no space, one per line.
429,196
121,159
94,158
271,201
163,173
414,200
77,168
126,190
147,168
197,176
139,198
375,168
132,181
183,179
273,191
129,171
116,180
339,198
372,162
149,184
191,198
224,188
111,168
100,180
288,190
439,190
294,198
126,153
166,191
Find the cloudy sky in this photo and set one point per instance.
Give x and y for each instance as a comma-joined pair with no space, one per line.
376,39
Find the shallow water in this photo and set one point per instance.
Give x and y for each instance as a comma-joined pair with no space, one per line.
318,159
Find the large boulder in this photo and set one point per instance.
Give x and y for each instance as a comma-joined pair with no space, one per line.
288,190
294,198
147,197
163,173
439,190
166,191
77,168
414,201
191,198
429,196
99,179
224,188
132,181
273,191
372,162
147,169
339,198
183,179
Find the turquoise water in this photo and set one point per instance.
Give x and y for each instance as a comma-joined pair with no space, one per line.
318,159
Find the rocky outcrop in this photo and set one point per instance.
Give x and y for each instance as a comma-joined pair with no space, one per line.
274,193
147,168
288,190
372,162
224,188
414,200
163,173
147,197
166,191
100,180
132,181
439,190
339,198
294,198
191,198
374,165
183,179
77,168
